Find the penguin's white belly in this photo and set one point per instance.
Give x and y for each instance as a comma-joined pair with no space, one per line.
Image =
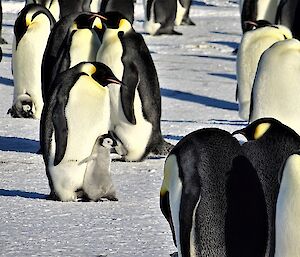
288,210
135,138
85,44
27,60
87,115
266,10
179,13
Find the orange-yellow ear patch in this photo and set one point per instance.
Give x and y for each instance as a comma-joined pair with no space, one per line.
124,25
97,23
89,69
260,130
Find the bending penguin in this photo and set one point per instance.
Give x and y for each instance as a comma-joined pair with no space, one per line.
160,16
31,31
74,129
270,143
135,107
275,89
75,38
252,46
212,197
288,209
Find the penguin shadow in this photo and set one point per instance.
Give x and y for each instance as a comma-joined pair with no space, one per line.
199,99
223,75
6,81
225,58
201,3
23,194
17,144
228,122
173,137
233,45
226,33
7,25
7,55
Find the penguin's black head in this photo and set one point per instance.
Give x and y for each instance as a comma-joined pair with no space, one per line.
101,73
258,128
116,20
252,25
89,20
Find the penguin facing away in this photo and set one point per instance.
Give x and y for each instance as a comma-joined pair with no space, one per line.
136,108
31,31
252,46
202,197
288,209
75,38
160,16
77,114
269,144
275,87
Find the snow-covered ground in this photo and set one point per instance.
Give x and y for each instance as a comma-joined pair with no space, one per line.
198,82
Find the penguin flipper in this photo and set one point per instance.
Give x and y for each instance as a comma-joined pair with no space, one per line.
128,91
61,132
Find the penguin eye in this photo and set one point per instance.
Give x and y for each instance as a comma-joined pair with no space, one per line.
260,130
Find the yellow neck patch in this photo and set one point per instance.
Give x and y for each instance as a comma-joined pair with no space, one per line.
261,129
124,25
97,23
89,69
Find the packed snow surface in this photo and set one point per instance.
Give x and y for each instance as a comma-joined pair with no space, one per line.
198,82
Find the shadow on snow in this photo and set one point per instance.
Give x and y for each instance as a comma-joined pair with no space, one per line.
23,194
16,144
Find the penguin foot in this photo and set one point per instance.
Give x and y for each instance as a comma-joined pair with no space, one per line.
187,21
174,254
163,148
3,41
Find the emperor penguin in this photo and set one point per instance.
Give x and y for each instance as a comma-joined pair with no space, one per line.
288,15
135,108
31,32
270,143
254,10
252,46
74,122
75,38
160,16
212,197
183,13
288,209
275,89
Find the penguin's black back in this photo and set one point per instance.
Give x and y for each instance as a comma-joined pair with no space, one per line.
205,158
125,7
267,155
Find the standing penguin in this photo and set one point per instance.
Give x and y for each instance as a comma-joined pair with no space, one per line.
75,38
183,13
269,144
276,88
252,46
288,209
212,197
76,115
254,10
160,16
136,108
31,31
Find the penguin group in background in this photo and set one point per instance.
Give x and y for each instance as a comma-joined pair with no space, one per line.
288,209
160,16
75,38
288,14
252,46
219,197
74,129
254,10
276,88
2,40
31,31
136,106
